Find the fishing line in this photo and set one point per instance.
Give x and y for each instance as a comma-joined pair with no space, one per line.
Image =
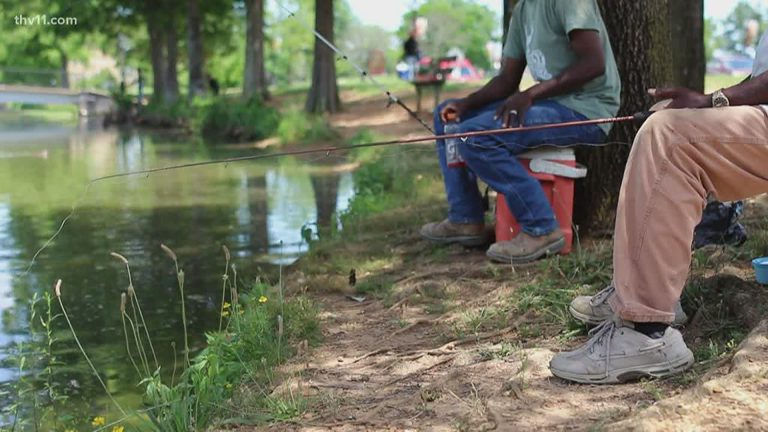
391,97
334,149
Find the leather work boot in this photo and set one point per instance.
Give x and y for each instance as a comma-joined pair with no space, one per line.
525,248
447,232
595,309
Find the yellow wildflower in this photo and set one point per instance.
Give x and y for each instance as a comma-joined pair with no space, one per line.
226,305
99,421
225,313
118,429
262,299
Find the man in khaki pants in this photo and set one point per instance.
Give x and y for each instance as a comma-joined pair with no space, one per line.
698,145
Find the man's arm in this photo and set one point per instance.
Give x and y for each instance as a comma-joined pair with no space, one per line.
501,86
589,64
748,92
751,92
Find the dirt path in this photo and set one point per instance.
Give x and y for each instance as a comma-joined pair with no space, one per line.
442,348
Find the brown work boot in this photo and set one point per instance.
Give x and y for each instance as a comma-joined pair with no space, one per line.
525,248
446,232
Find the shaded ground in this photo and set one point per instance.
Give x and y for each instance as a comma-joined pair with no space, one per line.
444,340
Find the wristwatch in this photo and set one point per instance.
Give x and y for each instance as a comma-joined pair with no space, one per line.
719,99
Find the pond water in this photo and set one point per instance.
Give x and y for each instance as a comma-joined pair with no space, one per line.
256,208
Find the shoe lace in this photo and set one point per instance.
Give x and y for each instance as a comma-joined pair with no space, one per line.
601,337
602,296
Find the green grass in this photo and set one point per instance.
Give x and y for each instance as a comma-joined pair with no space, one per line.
299,127
715,82
233,376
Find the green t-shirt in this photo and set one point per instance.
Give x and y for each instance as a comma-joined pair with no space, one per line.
538,32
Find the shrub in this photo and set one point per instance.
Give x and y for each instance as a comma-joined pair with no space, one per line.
297,126
238,120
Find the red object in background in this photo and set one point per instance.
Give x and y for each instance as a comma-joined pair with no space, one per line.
556,170
461,70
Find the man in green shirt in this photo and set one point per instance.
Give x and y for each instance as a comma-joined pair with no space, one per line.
565,46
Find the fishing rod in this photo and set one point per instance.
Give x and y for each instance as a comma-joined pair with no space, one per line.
638,118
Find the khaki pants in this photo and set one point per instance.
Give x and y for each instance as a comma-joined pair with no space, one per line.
678,158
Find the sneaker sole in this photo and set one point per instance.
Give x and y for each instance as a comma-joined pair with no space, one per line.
549,249
469,241
619,376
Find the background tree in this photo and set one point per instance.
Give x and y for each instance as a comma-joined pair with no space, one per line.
197,83
255,78
324,93
686,21
640,34
734,27
171,90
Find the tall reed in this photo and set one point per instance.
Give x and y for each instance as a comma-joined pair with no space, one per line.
57,290
180,280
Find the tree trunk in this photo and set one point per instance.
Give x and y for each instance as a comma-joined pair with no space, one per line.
324,94
157,55
171,73
639,34
195,49
255,80
64,70
326,191
687,42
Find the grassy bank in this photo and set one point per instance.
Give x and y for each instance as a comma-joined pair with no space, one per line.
231,380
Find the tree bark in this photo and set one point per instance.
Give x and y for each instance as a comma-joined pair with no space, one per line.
195,49
255,79
687,42
326,191
171,73
639,34
157,55
64,69
324,93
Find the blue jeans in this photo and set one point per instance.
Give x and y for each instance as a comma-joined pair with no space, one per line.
492,159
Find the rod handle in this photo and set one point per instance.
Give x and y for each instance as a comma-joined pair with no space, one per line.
639,118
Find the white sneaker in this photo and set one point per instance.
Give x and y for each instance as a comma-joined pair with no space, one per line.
617,353
595,309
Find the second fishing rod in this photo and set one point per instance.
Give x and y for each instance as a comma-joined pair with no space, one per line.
638,118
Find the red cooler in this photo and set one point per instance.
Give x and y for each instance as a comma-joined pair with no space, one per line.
556,169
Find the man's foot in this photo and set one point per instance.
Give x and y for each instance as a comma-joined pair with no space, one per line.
525,248
617,353
595,309
449,232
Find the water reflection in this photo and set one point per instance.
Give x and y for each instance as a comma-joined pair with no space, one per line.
256,209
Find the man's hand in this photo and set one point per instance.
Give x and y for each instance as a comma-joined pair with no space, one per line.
453,111
681,97
513,110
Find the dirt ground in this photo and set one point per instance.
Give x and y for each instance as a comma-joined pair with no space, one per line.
408,363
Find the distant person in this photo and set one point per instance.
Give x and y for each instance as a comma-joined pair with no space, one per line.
565,46
411,55
214,85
